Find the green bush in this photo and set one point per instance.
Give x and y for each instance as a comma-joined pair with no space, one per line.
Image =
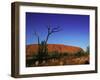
79,54
64,54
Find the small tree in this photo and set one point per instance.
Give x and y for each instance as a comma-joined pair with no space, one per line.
88,50
42,46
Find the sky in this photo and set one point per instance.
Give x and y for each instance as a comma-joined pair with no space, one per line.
74,28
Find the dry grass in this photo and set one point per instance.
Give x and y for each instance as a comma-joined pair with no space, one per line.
72,60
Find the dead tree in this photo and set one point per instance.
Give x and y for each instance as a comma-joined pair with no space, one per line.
39,58
50,31
42,45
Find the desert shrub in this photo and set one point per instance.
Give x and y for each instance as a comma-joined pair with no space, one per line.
64,54
31,60
79,54
34,57
40,57
50,55
42,52
54,55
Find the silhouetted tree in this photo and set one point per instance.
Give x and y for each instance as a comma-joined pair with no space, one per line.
87,50
42,46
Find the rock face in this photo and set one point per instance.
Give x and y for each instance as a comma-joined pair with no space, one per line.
33,48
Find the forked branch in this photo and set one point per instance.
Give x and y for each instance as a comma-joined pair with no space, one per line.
51,31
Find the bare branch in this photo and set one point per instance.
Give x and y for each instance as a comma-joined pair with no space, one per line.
49,28
57,29
51,31
36,34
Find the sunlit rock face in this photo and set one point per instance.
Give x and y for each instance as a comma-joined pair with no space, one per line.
60,48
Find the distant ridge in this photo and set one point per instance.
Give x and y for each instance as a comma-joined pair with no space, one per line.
32,48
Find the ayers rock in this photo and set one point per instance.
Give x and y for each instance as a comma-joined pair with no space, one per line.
31,49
